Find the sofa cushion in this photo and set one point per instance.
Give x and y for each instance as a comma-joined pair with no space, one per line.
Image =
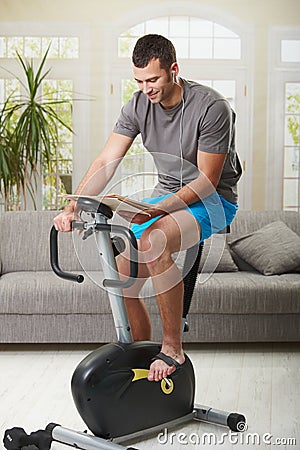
29,293
240,293
45,293
273,249
241,264
247,293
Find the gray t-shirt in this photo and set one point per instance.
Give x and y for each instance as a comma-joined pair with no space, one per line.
204,121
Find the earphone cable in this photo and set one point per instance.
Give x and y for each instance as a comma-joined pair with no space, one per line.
180,142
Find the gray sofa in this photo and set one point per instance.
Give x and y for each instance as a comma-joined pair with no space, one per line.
228,306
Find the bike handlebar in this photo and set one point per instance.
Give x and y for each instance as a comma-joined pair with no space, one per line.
54,259
99,227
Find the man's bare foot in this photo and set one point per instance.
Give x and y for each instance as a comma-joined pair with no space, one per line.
160,369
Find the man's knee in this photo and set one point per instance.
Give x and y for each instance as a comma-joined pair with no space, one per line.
154,247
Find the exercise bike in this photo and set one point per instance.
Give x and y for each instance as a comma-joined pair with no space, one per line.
110,386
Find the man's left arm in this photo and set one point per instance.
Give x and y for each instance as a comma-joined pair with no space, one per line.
210,167
213,146
215,139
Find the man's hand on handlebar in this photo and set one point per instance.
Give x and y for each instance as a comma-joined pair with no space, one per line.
63,222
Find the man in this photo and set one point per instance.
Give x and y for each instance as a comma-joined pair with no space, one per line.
196,193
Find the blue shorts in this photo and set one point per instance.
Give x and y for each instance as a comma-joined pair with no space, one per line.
212,213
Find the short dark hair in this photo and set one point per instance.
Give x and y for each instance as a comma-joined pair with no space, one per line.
153,46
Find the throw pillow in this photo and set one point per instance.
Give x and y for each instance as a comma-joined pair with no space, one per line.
272,250
242,265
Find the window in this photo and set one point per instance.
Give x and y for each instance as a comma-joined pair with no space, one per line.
138,171
69,67
290,50
35,47
283,177
291,148
8,87
193,37
57,179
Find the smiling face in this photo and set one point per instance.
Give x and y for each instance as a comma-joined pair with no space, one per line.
157,83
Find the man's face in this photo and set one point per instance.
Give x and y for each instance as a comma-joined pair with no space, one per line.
155,82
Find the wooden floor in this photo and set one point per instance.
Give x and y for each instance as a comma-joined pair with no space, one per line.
260,380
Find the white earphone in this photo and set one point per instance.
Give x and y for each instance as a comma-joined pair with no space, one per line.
180,127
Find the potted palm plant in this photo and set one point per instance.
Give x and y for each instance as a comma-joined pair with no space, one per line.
29,129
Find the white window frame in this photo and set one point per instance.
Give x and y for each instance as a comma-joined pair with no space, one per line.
75,69
279,74
240,70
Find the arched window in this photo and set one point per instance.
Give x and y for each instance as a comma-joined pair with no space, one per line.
208,52
193,38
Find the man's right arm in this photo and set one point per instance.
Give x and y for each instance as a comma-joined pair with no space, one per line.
97,176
